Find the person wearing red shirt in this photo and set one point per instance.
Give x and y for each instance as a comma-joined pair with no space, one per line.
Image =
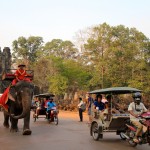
20,74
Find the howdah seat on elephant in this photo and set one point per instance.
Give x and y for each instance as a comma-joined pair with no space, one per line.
8,74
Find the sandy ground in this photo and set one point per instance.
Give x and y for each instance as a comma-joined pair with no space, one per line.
69,134
72,115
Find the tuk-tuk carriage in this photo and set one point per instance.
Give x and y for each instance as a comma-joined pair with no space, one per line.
42,113
113,122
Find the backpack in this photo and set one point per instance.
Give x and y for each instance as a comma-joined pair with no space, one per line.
83,107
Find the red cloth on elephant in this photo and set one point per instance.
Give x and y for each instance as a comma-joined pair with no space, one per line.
20,75
4,99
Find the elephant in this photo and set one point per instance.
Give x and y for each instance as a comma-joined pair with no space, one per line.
19,106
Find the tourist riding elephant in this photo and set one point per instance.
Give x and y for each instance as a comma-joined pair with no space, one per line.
19,104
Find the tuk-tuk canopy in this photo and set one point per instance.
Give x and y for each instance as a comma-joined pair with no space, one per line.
45,95
116,90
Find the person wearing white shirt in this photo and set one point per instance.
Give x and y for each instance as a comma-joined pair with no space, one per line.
80,110
135,109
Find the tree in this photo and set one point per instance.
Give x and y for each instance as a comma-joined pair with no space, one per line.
96,49
60,48
77,75
43,70
58,84
26,48
114,53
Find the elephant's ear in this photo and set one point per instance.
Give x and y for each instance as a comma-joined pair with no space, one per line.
11,97
11,94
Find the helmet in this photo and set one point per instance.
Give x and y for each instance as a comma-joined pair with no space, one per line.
51,99
137,96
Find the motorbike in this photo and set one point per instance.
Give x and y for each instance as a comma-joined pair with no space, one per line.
131,130
54,116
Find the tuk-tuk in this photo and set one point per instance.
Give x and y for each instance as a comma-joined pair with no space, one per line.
42,108
114,122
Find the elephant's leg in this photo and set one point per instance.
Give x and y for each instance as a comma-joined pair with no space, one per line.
26,127
14,125
6,120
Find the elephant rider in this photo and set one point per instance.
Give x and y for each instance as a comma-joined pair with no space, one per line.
135,109
20,74
50,106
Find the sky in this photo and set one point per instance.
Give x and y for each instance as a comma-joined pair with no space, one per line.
62,19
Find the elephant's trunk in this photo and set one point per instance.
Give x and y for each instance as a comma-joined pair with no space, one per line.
26,105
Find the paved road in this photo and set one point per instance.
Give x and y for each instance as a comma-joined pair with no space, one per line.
69,134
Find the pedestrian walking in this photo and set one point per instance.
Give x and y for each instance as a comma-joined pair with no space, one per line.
80,109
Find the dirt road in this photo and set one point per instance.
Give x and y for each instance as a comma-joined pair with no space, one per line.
69,134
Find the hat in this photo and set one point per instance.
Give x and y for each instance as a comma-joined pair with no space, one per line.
21,65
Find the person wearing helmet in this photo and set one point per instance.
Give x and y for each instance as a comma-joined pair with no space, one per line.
50,107
135,109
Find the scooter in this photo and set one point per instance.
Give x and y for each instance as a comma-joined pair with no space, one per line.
54,116
131,130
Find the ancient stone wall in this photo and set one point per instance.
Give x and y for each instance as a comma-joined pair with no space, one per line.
5,63
6,60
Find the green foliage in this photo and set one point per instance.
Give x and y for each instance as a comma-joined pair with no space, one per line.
60,48
58,84
76,73
27,48
114,53
58,75
43,70
111,56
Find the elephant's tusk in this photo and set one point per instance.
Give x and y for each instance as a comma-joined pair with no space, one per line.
10,97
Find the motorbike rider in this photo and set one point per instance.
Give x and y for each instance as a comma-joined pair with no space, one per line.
50,106
135,109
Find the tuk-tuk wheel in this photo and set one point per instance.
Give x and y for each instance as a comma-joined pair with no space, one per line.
95,132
